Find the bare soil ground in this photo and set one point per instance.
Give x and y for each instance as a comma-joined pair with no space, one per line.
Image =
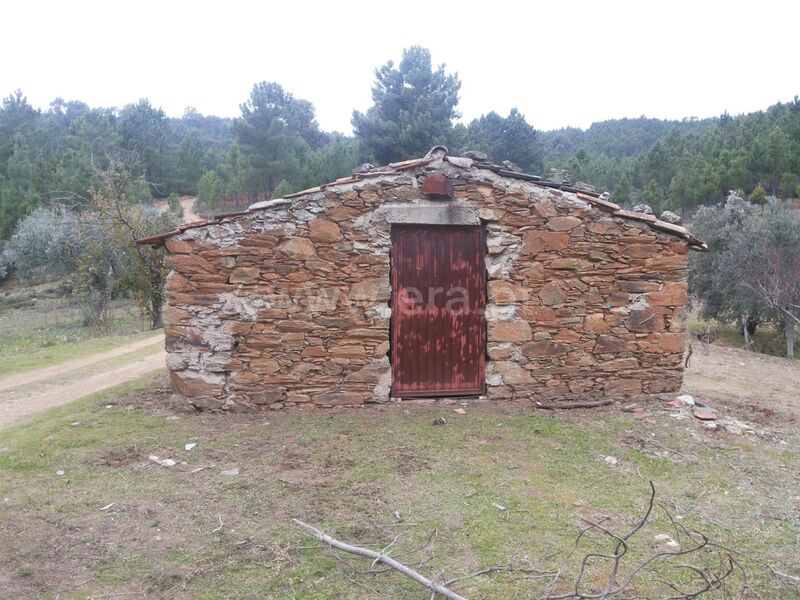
31,392
86,514
187,202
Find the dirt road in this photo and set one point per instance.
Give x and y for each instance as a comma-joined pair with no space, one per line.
28,393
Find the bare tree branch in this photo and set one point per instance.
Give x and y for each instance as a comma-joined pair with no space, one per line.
434,586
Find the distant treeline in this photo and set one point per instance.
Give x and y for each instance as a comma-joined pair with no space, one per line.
677,164
277,146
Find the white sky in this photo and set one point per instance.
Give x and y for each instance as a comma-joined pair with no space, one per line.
561,63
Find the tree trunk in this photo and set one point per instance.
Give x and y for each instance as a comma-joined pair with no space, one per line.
157,315
746,333
788,325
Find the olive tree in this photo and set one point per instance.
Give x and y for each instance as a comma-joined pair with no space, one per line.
713,276
766,253
43,245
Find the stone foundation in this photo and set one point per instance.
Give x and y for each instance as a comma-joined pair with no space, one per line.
288,304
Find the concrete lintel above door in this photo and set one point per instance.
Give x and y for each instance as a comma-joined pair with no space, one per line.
439,213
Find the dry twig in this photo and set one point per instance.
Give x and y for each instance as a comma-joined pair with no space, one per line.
614,587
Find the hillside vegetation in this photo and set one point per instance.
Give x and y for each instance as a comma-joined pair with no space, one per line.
276,146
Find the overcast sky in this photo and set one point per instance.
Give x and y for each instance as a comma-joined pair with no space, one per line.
561,63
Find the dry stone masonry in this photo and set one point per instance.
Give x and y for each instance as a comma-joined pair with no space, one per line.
289,303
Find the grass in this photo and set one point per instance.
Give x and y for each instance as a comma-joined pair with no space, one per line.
766,339
365,476
47,329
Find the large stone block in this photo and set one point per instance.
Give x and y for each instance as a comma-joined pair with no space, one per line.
244,275
596,323
537,314
510,331
664,343
512,373
551,294
544,348
505,292
298,248
194,385
672,294
640,250
563,223
535,241
608,344
644,321
322,230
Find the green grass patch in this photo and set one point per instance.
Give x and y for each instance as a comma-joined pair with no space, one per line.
498,485
47,329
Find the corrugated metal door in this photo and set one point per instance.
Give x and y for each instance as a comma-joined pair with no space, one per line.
438,301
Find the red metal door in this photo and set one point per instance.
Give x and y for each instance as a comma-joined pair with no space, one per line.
438,301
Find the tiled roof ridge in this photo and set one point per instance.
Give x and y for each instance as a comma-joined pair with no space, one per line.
436,153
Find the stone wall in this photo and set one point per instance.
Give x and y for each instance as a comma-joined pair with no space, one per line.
289,304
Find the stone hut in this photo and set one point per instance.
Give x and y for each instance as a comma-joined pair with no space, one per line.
439,276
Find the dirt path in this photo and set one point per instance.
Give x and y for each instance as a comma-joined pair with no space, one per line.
27,377
25,394
758,388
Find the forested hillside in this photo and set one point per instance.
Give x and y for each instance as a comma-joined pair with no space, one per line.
276,146
53,155
670,164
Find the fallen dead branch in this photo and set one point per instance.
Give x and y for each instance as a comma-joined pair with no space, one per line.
434,586
568,405
616,583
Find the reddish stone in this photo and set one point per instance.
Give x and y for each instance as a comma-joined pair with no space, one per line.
672,294
544,348
176,316
179,247
348,351
563,223
535,241
178,283
510,331
607,344
295,326
186,384
497,353
595,323
315,351
322,230
640,250
568,335
644,321
638,287
604,227
265,365
244,275
438,185
705,414
505,292
551,294
665,343
299,248
190,263
537,314
618,298
512,373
